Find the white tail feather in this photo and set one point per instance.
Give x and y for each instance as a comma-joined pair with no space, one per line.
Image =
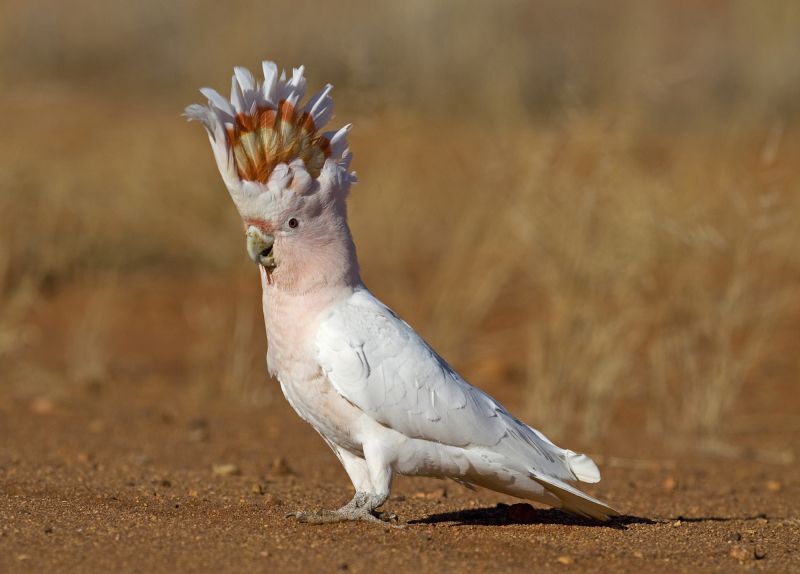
583,467
574,500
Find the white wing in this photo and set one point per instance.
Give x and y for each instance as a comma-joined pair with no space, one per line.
377,362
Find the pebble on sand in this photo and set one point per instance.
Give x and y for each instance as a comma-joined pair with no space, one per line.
42,406
432,495
774,486
521,512
225,469
669,484
741,553
280,467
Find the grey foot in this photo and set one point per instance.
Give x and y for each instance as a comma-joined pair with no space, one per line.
341,515
360,509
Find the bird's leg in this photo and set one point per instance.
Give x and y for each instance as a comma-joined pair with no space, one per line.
358,501
380,476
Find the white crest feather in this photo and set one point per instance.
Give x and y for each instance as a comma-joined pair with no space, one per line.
262,130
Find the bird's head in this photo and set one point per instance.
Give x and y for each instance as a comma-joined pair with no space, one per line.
289,181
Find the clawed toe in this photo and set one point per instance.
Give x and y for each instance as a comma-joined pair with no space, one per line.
302,516
388,517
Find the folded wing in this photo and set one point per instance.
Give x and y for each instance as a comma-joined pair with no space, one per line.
377,362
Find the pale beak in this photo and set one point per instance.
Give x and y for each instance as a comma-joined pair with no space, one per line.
259,247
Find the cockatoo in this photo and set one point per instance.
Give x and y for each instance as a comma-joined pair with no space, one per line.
379,395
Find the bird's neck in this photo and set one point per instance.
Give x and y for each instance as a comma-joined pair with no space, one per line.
311,277
291,318
315,298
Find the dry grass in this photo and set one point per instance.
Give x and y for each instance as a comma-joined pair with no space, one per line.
227,354
87,353
604,204
675,284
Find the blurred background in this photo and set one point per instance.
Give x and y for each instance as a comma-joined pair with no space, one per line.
591,209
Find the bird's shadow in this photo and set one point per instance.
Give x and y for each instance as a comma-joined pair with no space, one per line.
501,515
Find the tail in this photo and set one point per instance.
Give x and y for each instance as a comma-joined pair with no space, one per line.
573,499
581,467
575,467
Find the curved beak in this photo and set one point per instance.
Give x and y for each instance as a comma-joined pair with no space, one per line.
259,247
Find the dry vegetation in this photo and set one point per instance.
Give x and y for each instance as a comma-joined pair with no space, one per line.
601,206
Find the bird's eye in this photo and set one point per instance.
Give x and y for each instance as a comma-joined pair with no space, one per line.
293,223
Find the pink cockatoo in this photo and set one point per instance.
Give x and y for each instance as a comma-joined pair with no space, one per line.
379,395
